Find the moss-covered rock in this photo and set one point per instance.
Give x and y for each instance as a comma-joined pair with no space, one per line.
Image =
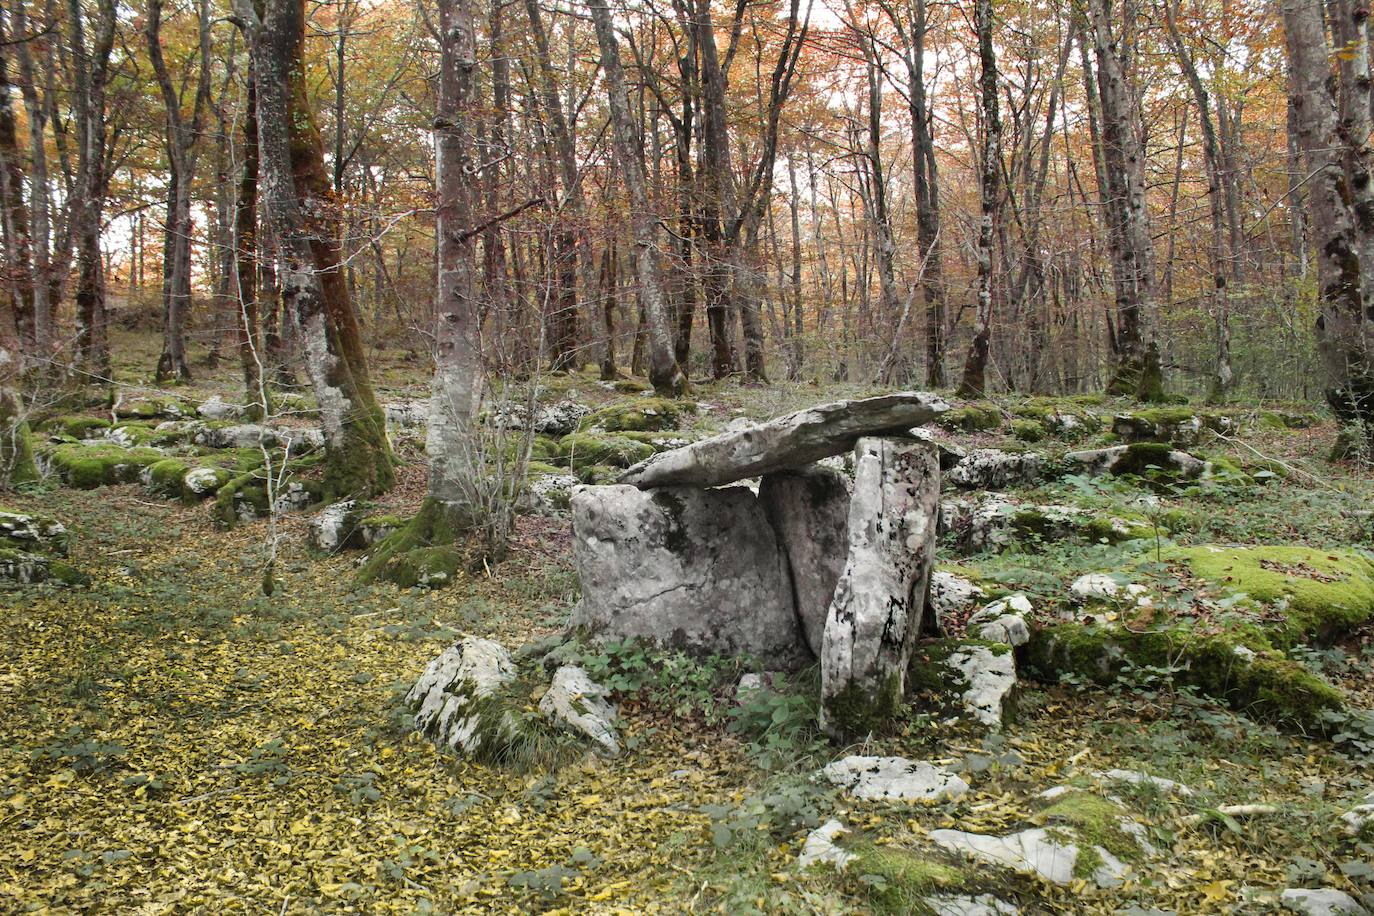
644,414
598,475
1028,430
30,532
77,426
164,477
1096,822
975,417
1238,669
28,568
85,467
1323,593
584,449
154,409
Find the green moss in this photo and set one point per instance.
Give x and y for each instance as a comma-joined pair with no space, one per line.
644,414
78,426
1096,821
537,469
431,567
631,386
583,449
85,467
897,880
165,476
386,520
1117,529
1028,430
659,442
855,712
598,475
422,552
1268,686
973,417
1326,593
1144,459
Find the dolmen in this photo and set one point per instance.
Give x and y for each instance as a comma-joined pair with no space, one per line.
809,567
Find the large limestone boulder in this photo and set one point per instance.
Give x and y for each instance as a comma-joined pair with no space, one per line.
994,469
448,699
809,510
789,442
698,570
875,614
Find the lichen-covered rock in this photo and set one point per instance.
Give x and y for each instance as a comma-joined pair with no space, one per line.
407,414
642,414
968,679
1143,459
994,469
334,526
1004,621
972,418
27,568
893,779
965,905
1104,587
203,482
1325,901
978,524
31,532
551,494
1053,854
789,442
580,703
951,596
153,408
809,510
546,419
447,700
298,441
1175,425
1359,817
820,847
698,570
217,408
875,614
587,449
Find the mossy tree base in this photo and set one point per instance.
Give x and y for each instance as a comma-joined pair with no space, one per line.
428,551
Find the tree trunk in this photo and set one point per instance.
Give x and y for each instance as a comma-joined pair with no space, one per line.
664,373
973,383
246,322
304,215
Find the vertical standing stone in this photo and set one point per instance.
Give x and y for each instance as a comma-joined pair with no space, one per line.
809,510
875,614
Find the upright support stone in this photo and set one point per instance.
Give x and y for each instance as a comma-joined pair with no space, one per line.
809,510
875,614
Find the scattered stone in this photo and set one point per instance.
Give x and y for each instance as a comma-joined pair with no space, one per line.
447,699
894,778
217,408
1359,817
27,531
407,414
809,510
1004,621
820,847
962,905
1031,851
334,525
254,435
875,615
1138,778
579,702
989,682
1142,459
557,420
1103,587
683,568
978,524
1326,901
791,441
204,481
551,494
994,469
951,596
950,453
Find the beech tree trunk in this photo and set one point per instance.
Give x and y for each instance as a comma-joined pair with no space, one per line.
251,355
974,381
303,212
664,373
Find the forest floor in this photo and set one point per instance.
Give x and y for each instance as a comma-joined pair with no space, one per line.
172,740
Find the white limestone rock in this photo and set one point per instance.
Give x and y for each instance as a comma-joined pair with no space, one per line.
558,419
950,597
1032,851
551,494
1004,621
407,414
1101,461
580,703
994,469
1104,587
28,531
894,778
217,408
1326,901
820,847
989,682
204,481
446,699
1139,778
964,905
333,527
